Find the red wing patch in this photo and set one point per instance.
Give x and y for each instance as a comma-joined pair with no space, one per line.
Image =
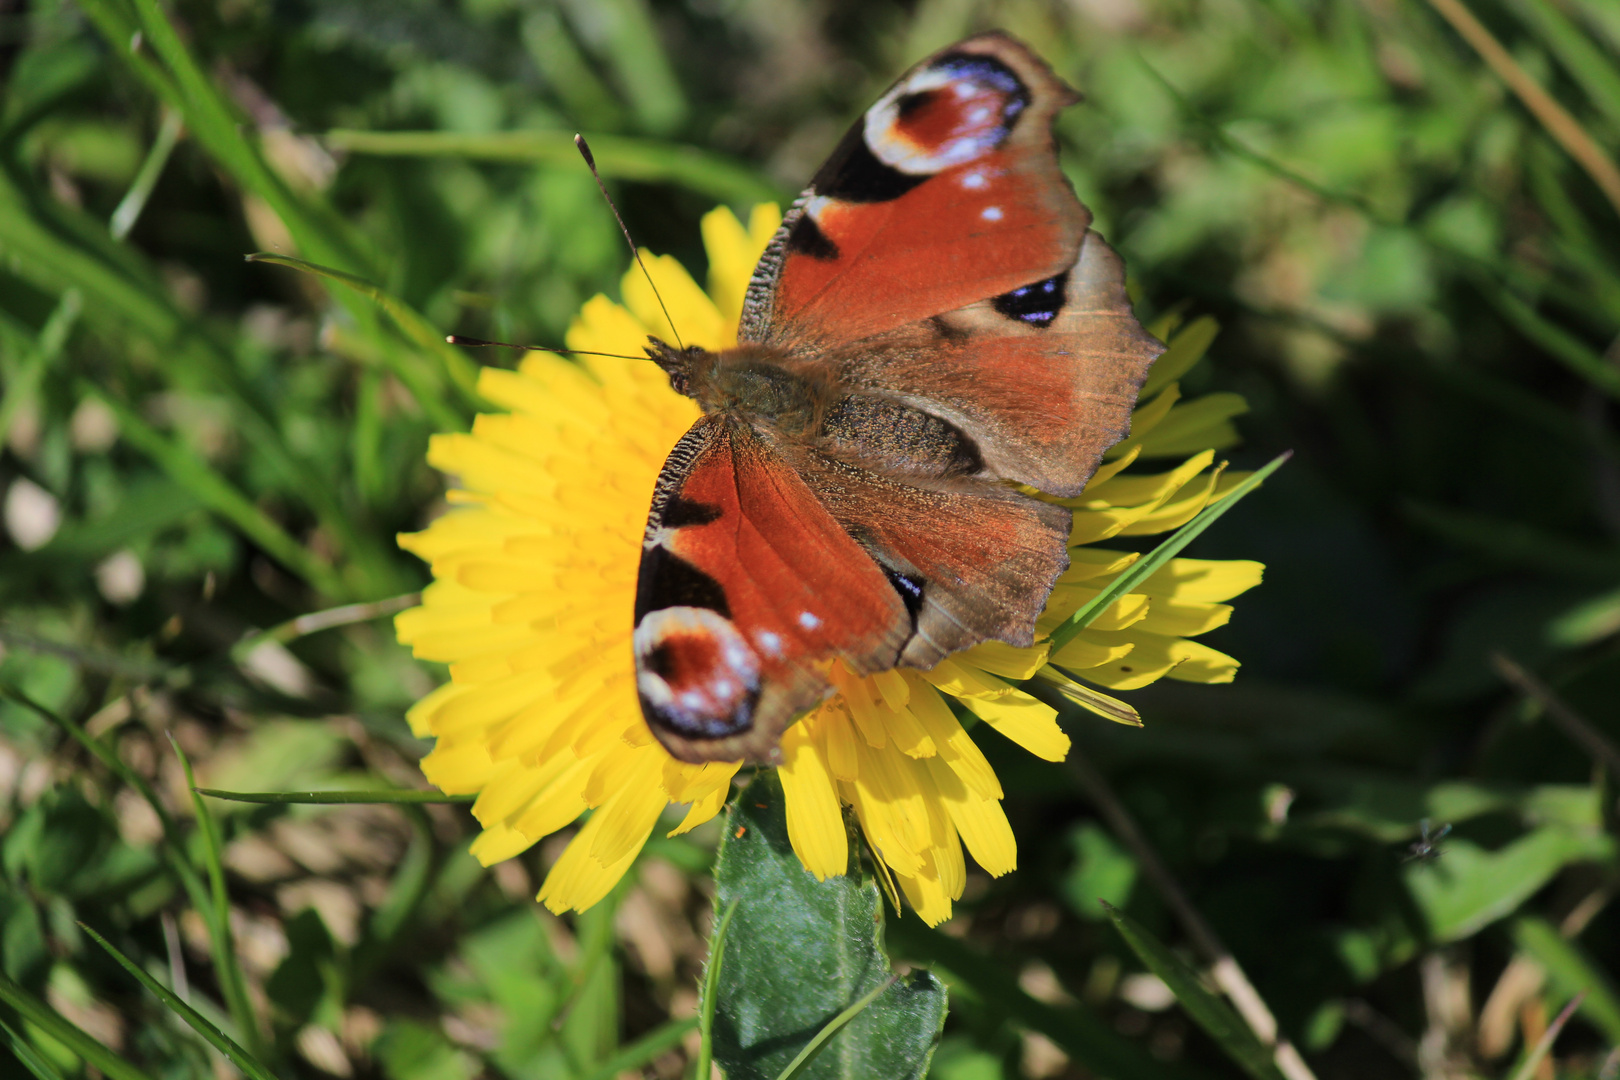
747,585
946,192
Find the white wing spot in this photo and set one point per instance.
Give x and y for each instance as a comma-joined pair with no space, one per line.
974,180
991,213
771,643
808,621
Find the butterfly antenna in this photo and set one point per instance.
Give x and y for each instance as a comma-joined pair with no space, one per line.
480,343
590,161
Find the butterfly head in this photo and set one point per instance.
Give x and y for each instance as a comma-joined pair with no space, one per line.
755,381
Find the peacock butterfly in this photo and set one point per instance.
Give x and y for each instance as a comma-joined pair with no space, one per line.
933,324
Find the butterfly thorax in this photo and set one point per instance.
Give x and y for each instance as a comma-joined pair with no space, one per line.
802,399
754,382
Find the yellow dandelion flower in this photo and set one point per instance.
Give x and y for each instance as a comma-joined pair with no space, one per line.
535,573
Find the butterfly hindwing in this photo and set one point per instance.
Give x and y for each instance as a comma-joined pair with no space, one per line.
1041,379
973,560
747,586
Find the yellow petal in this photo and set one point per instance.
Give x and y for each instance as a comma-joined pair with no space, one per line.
1173,619
1030,723
1203,580
697,320
1089,648
577,881
1005,660
815,824
1205,422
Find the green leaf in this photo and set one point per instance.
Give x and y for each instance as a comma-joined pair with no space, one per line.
1145,567
218,917
799,952
460,370
1081,1033
198,1023
57,1027
1469,888
1218,1019
30,1058
643,1050
1571,971
618,157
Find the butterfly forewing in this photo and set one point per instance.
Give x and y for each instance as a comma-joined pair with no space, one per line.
747,584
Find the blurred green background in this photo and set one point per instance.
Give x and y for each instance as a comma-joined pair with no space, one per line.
1419,289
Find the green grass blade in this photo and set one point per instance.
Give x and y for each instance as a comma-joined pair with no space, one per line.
1544,1044
52,336
196,1020
1075,1028
618,157
23,1052
1576,50
625,38
463,372
219,920
315,621
1211,1012
216,125
1149,564
1572,972
334,798
711,995
799,1064
220,495
643,1050
68,1034
128,210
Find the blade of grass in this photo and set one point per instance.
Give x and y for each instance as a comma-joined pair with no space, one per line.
23,1052
815,1046
643,1050
68,1034
316,621
1216,1017
463,372
198,1023
334,798
219,921
405,894
1570,970
54,246
174,846
1575,50
217,493
1078,1031
1544,1045
618,157
215,123
128,210
1149,564
1543,106
48,346
711,994
625,38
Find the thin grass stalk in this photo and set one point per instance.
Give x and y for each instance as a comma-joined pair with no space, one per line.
231,980
1543,106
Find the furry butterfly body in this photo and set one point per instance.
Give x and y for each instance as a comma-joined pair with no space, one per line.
933,323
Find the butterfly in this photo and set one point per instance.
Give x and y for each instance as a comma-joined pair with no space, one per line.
933,325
